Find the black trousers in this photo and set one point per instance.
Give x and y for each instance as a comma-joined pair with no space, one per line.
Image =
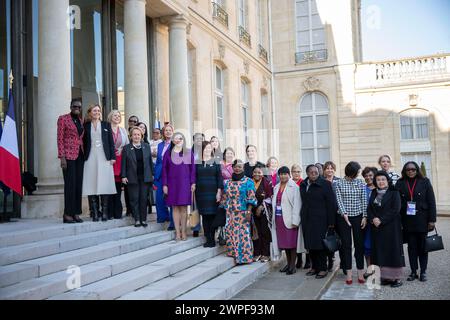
358,241
208,229
262,245
138,194
318,260
416,251
73,184
127,200
116,207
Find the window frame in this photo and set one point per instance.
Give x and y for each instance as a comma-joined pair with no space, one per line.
310,29
219,93
245,106
413,119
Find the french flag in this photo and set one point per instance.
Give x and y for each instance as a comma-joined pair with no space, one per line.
9,151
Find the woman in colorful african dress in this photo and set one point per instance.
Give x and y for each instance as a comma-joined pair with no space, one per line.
238,200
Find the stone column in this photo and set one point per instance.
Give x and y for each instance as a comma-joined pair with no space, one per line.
54,95
54,89
179,86
136,70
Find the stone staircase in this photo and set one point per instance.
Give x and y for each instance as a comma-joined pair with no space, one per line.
116,261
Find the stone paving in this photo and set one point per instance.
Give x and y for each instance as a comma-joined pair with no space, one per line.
436,288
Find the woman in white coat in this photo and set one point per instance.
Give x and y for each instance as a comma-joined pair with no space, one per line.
286,231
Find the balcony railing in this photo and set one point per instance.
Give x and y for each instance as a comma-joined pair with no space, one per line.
220,14
263,53
429,68
311,56
244,36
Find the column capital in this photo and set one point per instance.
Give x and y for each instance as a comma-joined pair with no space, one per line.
179,20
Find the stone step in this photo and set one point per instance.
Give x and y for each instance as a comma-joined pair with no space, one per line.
24,252
228,284
171,287
29,231
55,284
126,282
40,267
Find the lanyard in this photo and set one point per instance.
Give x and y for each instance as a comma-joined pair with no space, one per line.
411,190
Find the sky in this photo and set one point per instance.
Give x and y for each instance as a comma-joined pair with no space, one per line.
393,29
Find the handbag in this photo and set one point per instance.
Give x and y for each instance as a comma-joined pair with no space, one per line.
220,218
193,217
434,242
332,242
221,236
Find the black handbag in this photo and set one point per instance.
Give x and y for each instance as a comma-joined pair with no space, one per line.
434,242
219,219
332,242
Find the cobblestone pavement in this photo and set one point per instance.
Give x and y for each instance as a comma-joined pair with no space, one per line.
436,288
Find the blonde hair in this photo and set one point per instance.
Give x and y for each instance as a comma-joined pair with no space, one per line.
296,166
112,114
385,156
91,107
140,131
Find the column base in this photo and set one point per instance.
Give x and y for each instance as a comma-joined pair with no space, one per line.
46,206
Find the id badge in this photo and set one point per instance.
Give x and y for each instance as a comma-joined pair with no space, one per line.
411,209
278,211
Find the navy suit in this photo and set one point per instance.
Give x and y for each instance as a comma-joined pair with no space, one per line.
163,212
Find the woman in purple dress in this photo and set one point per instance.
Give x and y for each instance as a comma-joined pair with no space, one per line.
178,177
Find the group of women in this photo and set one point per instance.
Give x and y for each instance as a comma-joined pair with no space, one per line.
263,208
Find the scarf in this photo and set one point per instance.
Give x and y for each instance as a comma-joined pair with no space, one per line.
380,195
237,177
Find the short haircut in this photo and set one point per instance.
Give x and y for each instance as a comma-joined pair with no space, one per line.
112,113
329,163
137,119
351,169
296,166
72,102
225,152
284,170
132,129
311,166
270,159
384,174
236,162
369,169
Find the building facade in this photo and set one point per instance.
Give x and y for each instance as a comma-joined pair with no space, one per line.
286,75
331,104
201,65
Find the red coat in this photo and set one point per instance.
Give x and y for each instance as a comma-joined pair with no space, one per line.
69,142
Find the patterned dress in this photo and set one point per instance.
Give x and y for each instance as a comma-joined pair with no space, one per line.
237,196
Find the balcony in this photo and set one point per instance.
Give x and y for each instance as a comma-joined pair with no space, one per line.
311,56
263,53
403,71
244,36
220,14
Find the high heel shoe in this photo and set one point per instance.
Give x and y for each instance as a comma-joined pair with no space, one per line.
361,281
285,269
67,220
349,282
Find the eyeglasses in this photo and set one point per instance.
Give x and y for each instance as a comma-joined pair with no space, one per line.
133,121
411,169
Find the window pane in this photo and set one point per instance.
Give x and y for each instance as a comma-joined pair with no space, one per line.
220,107
422,128
244,92
322,123
303,37
302,23
307,140
320,102
302,8
306,104
320,46
306,124
323,139
316,21
318,36
219,79
307,157
324,155
313,7
406,127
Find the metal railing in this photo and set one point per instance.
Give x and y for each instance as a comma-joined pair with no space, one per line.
220,14
311,56
244,36
263,53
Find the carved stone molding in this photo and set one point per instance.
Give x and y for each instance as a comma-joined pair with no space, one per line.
221,51
246,66
311,84
413,100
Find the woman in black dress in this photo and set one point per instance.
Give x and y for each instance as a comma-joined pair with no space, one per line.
385,220
208,191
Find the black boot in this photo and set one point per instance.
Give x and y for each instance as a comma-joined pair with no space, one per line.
299,261
307,262
105,203
93,207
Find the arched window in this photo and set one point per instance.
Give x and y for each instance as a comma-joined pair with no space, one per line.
314,128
